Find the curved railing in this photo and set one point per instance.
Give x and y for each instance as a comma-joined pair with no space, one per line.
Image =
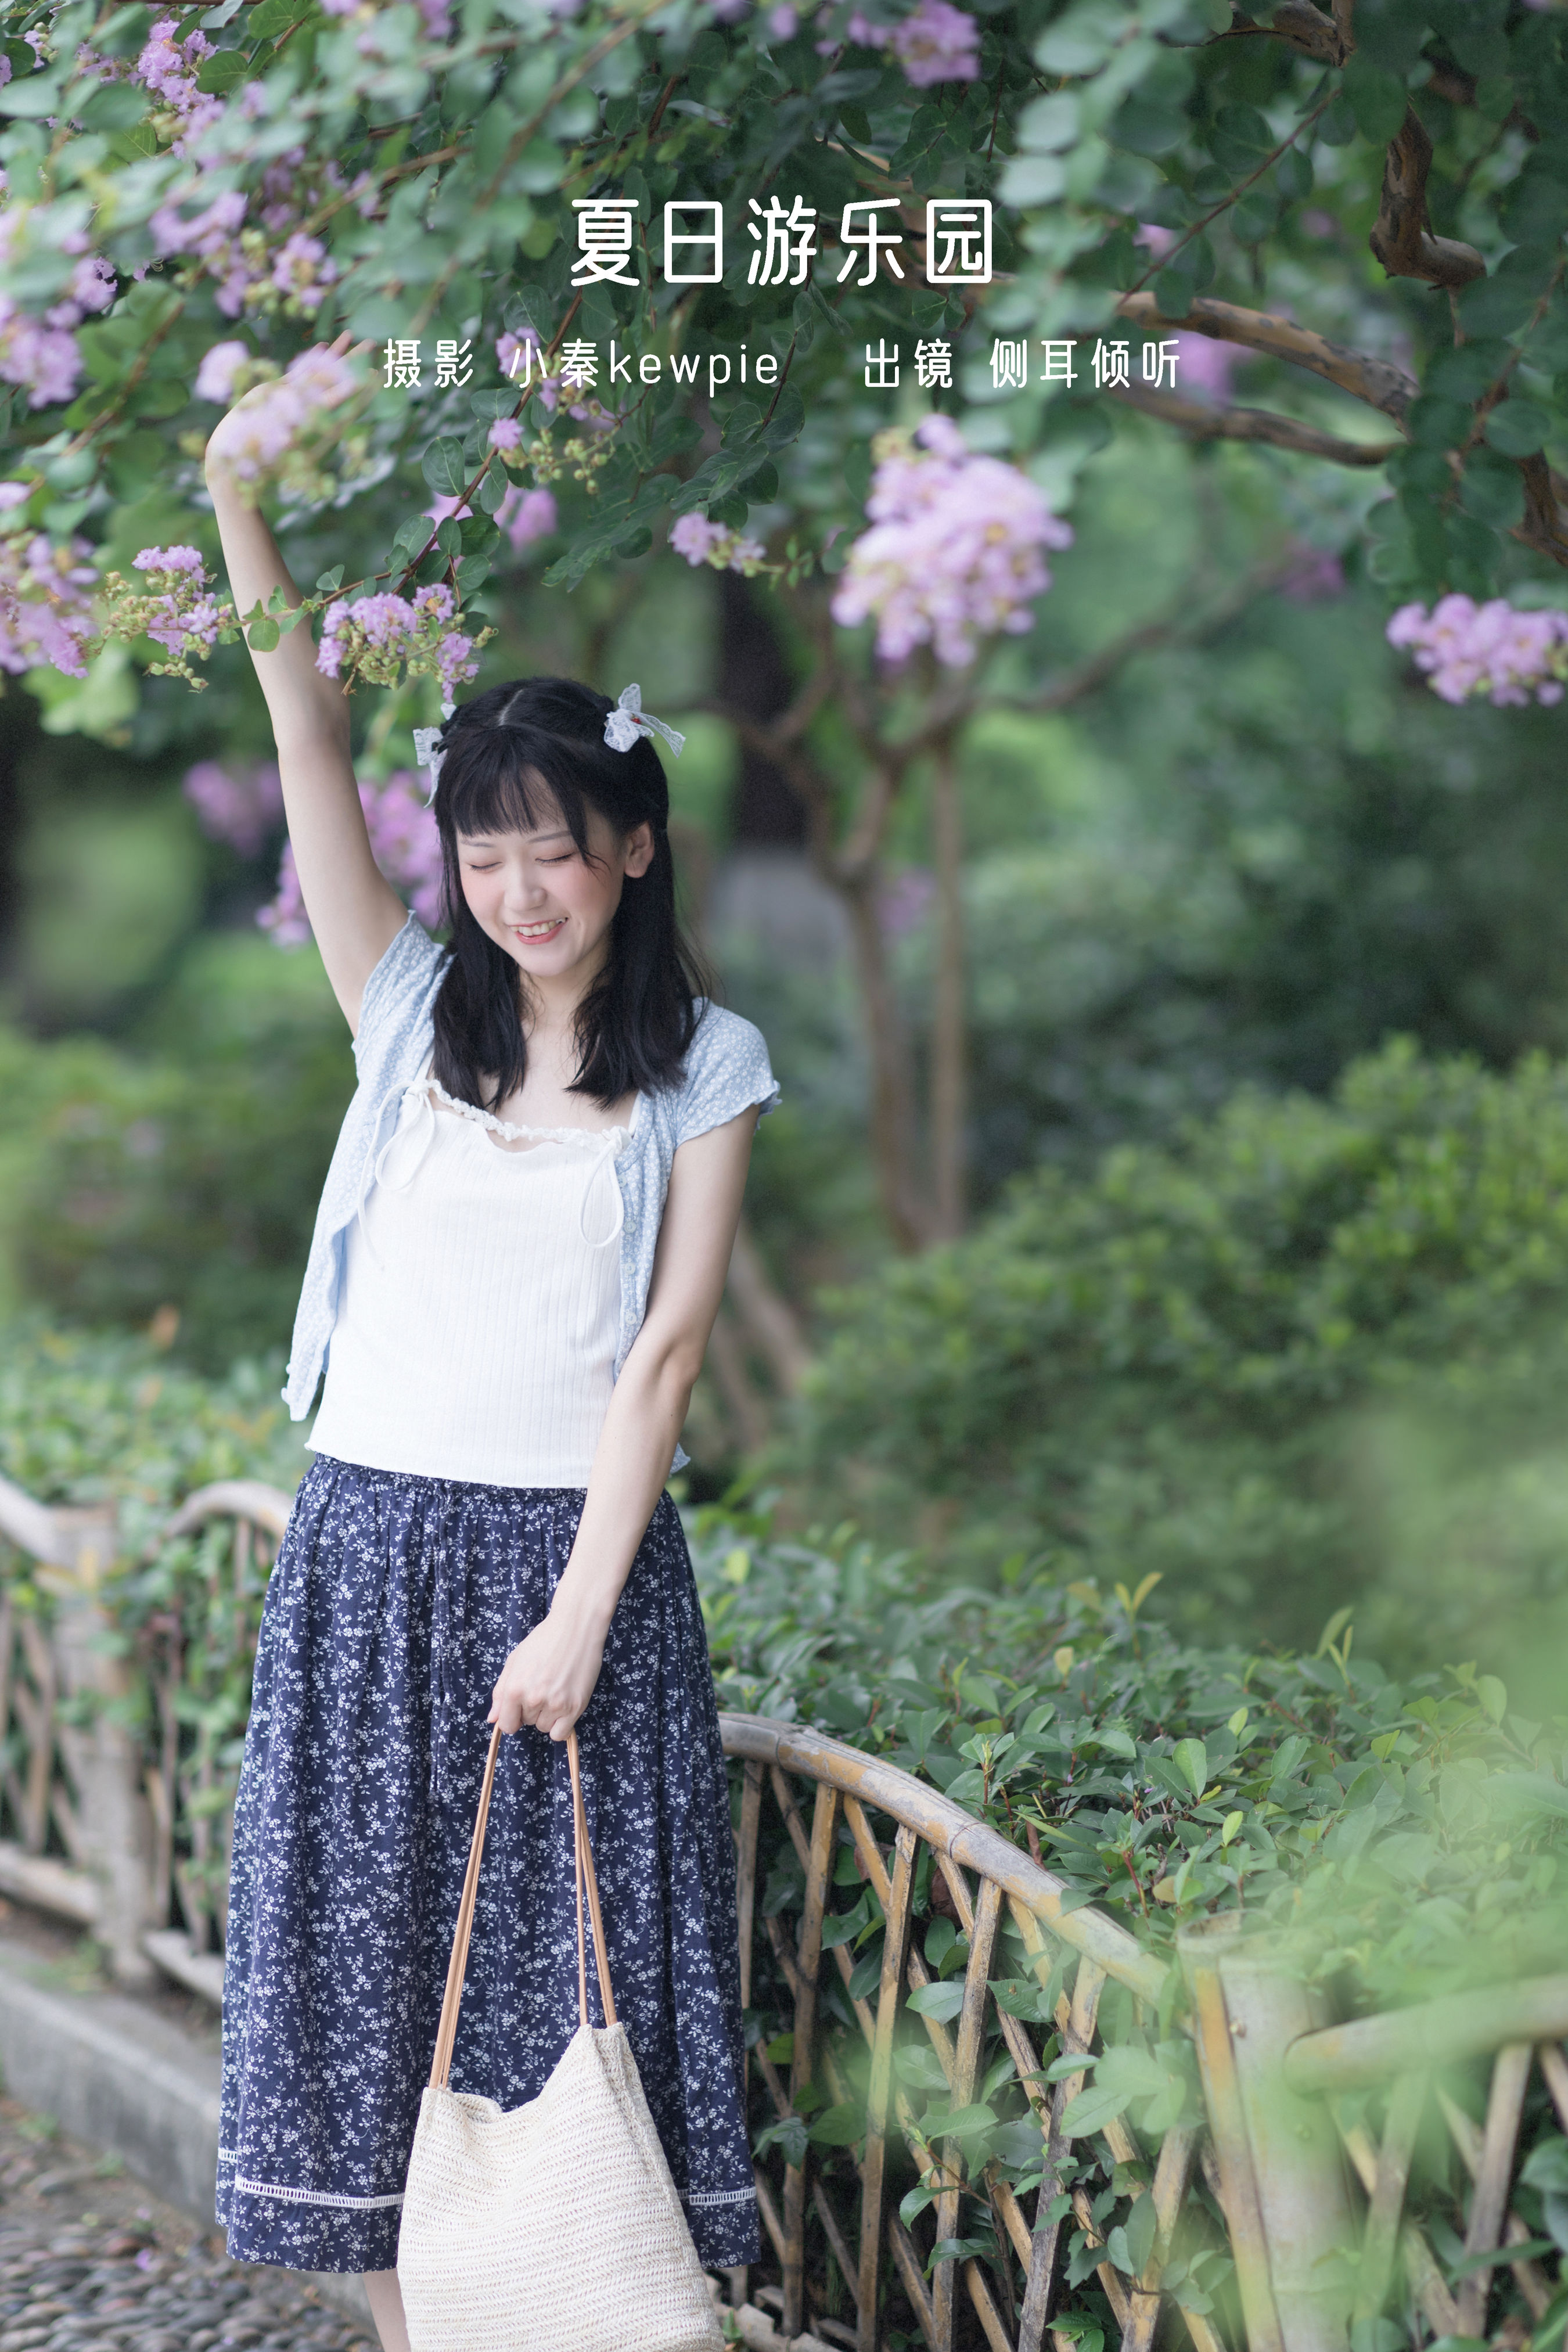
839,1854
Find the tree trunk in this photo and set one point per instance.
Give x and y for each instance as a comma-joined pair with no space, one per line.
765,810
892,1126
950,1045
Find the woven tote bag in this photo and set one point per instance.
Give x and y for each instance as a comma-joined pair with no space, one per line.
555,2227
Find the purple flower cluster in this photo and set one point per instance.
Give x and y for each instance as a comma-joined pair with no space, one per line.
262,259
934,43
40,355
239,808
1468,650
953,551
383,638
169,69
404,841
702,541
176,610
46,603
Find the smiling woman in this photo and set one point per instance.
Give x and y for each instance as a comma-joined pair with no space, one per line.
520,1253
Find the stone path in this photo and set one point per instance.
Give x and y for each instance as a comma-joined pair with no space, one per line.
92,2260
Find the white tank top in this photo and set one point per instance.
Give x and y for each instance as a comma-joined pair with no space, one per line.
476,1333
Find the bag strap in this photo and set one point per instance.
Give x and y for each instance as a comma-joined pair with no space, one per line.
447,2033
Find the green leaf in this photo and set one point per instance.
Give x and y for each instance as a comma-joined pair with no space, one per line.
262,635
114,106
218,75
1378,101
1517,428
941,2001
839,2126
442,466
31,97
1191,1761
957,2123
789,2135
1092,2110
330,581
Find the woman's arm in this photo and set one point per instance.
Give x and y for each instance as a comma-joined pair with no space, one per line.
548,1678
353,909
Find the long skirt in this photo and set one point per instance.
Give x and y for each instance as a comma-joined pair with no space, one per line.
393,1604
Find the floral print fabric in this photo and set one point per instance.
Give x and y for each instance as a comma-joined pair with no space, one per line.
393,1604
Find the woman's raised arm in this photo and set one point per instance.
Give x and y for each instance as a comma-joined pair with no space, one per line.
353,909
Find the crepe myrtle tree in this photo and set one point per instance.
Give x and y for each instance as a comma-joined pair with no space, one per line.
1363,203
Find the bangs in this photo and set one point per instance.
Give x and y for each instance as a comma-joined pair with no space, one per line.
509,780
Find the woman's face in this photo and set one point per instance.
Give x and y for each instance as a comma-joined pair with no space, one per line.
540,899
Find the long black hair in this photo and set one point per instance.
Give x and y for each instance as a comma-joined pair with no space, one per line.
509,756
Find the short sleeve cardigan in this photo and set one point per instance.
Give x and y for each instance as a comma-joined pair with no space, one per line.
726,1071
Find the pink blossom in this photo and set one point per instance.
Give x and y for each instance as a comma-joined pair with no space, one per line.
783,23
43,360
954,550
437,19
5,69
405,843
1468,650
302,270
506,432
937,43
1204,366
168,559
13,494
93,283
702,541
168,70
240,808
45,604
340,7
1158,240
379,634
1311,574
866,34
525,516
513,352
214,377
445,510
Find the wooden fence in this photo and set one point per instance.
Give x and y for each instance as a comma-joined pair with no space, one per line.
1300,2174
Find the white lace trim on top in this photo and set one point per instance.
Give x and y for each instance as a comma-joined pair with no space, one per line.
617,1137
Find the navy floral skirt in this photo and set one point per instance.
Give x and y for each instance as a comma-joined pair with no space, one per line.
393,1604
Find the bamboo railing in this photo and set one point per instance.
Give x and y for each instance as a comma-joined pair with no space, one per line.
1313,2126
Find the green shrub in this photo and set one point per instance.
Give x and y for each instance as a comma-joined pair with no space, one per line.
184,1174
1406,1839
1314,1350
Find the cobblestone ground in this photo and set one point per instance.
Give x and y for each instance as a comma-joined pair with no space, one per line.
91,2258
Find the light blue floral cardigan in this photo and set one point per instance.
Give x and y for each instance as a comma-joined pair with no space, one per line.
726,1069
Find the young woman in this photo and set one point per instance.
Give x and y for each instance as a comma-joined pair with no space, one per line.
518,1256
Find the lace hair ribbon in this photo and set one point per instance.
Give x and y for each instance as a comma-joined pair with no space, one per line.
425,754
628,720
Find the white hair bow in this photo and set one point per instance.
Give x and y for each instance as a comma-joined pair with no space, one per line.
425,752
628,720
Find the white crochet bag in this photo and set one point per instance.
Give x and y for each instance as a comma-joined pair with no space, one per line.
554,2228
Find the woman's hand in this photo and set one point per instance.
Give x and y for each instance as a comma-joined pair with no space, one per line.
548,1678
230,437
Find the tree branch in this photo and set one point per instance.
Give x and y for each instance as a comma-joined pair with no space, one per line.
1402,237
1379,383
1307,28
1543,528
1205,422
1175,625
769,1321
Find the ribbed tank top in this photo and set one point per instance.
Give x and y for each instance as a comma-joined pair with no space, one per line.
476,1336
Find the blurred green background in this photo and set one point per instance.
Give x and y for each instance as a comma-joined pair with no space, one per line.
1265,1277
